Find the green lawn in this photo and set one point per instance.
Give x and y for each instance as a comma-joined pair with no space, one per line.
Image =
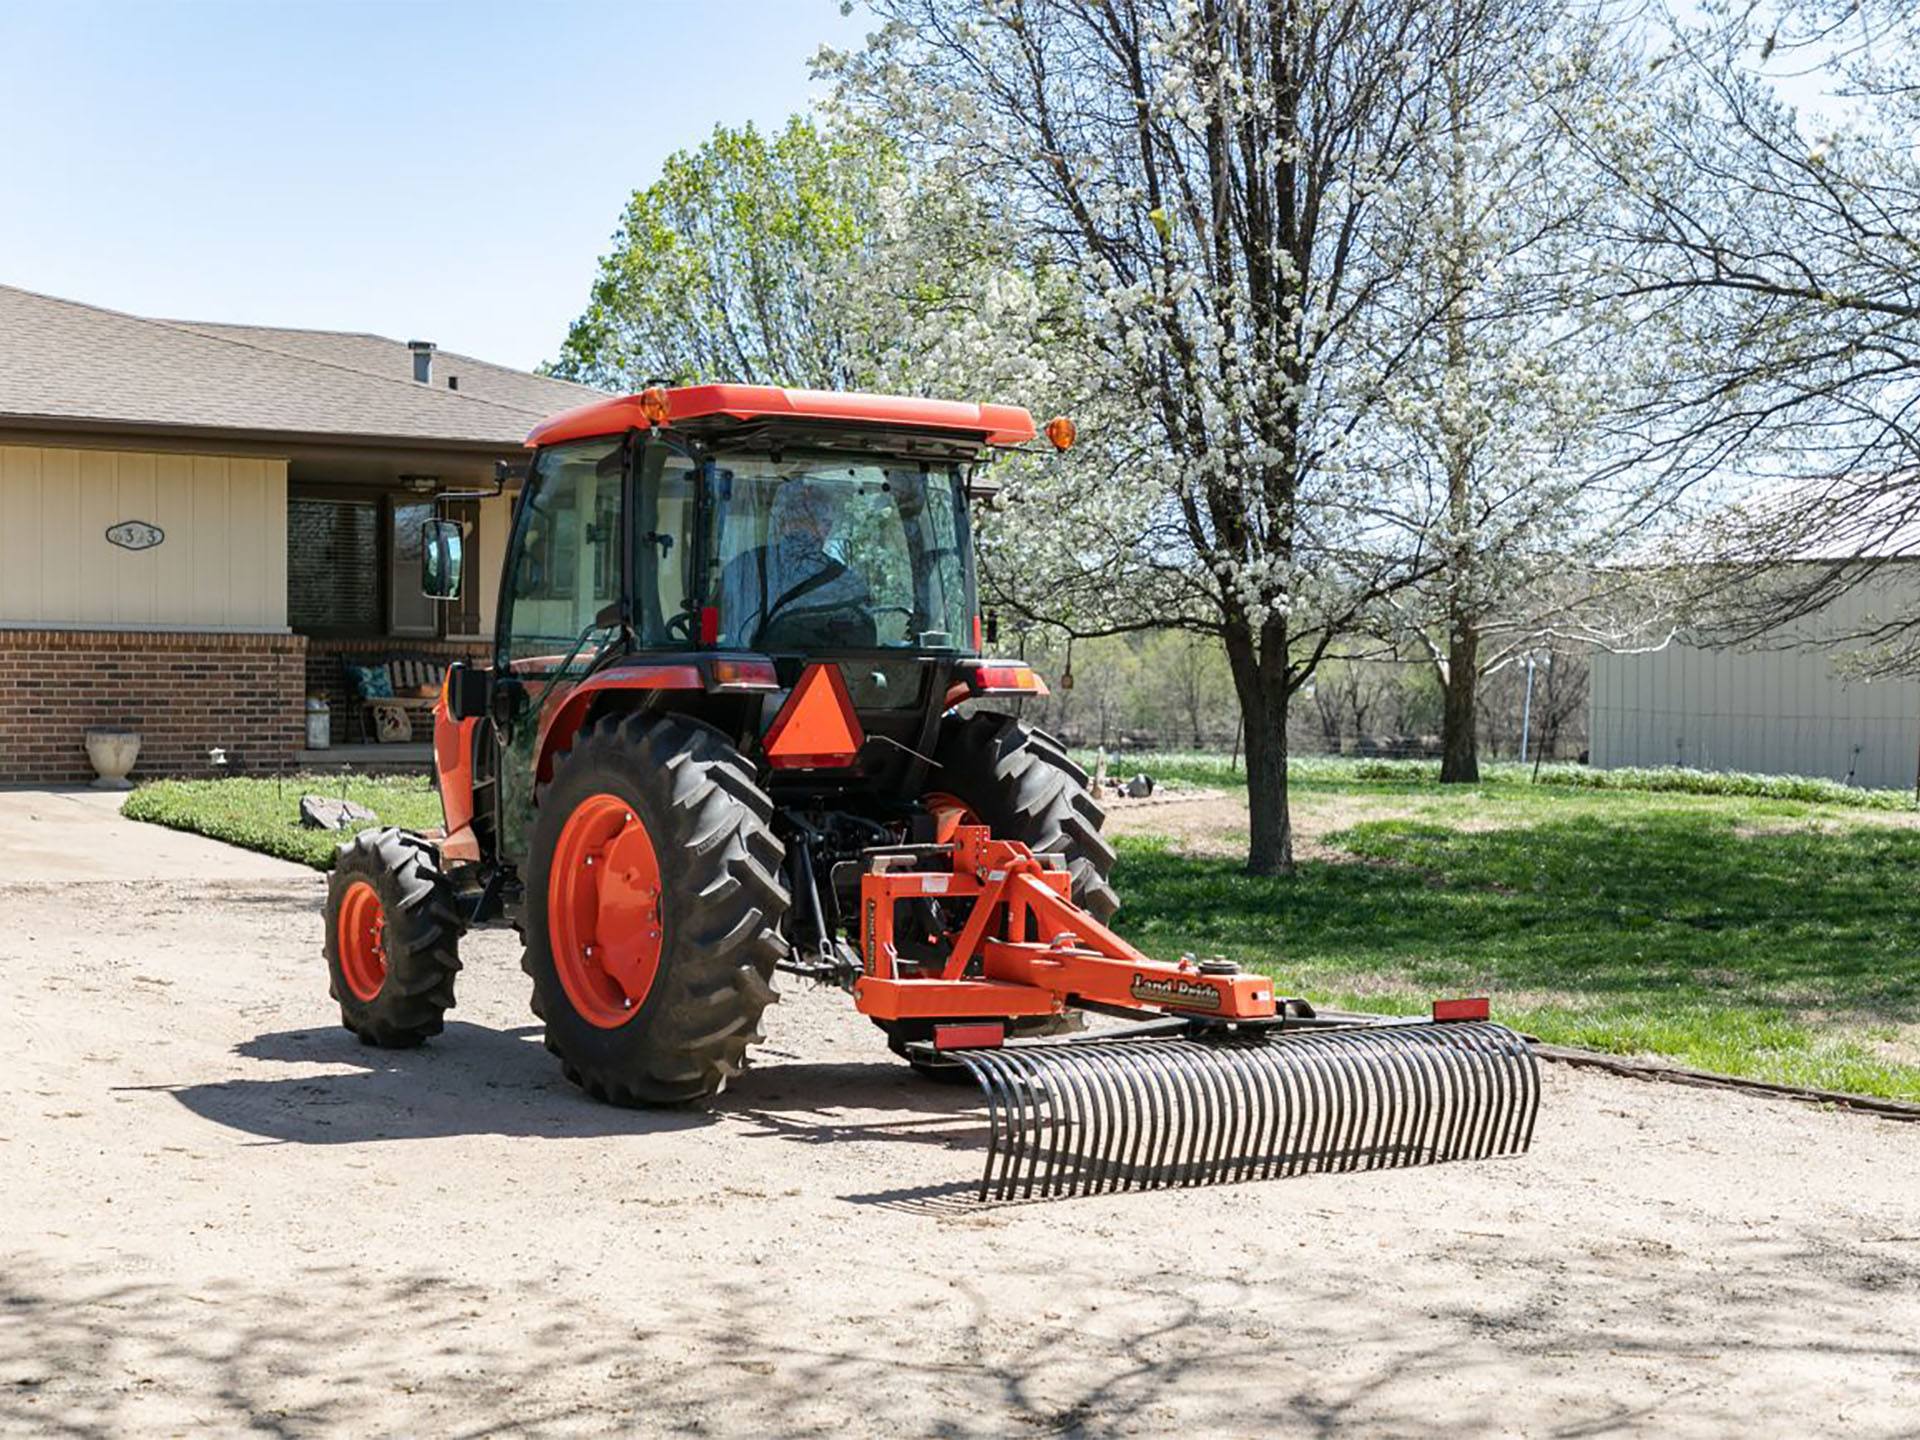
1759,936
1770,938
265,814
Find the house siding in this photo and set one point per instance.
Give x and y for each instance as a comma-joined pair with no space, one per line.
221,566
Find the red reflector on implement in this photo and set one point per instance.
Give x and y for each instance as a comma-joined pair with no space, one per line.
986,1035
1005,680
1475,1008
817,727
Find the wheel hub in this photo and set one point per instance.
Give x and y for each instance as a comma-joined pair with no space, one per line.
363,940
603,910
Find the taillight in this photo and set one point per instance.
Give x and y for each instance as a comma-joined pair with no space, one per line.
1005,679
732,674
980,1035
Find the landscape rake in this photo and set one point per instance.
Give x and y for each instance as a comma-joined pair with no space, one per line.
1080,1117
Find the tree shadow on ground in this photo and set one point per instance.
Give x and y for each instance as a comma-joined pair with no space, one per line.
473,1080
1569,1348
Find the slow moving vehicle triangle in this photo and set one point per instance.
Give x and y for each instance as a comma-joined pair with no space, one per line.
816,728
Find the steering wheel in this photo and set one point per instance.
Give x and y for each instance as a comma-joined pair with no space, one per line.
680,627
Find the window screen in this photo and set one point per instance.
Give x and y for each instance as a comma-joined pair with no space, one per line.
333,565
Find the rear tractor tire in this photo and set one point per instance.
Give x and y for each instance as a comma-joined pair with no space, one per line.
393,938
1022,785
654,910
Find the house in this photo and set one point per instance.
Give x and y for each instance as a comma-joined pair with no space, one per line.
1790,704
199,522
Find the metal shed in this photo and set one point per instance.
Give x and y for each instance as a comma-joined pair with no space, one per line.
1785,706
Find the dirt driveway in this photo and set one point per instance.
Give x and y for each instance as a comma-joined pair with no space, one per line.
218,1214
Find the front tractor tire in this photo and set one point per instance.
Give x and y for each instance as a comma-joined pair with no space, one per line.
654,910
393,938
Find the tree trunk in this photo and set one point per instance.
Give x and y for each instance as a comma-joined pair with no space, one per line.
1459,747
1459,752
1260,680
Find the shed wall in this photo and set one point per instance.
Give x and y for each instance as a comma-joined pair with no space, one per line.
1786,708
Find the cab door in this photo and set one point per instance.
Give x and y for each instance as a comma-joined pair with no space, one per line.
560,604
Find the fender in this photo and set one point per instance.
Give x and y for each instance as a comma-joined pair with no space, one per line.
453,742
566,711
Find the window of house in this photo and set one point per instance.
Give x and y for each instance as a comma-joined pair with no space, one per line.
333,566
353,568
409,611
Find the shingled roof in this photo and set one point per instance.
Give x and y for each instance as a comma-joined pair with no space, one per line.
67,363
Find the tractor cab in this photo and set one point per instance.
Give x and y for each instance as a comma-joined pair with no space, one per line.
706,550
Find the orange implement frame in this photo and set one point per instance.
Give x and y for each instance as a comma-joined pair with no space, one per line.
1026,948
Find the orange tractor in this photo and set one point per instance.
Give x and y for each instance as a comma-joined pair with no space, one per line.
736,724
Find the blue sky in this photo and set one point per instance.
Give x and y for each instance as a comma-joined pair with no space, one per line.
437,169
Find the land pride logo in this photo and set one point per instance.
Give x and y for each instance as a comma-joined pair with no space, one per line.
135,535
1181,994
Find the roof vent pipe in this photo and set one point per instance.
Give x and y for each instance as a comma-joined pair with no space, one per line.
422,360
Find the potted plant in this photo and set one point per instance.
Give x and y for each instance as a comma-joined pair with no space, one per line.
113,750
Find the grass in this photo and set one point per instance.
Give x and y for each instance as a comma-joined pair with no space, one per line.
1756,934
1750,935
1313,772
264,815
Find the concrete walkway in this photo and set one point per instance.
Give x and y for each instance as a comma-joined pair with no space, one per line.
76,834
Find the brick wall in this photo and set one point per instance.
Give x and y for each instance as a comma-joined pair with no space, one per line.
183,692
326,677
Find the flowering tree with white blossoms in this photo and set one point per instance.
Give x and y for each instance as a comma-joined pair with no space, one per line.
1228,181
1770,217
1501,427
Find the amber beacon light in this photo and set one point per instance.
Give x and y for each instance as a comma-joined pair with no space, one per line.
653,405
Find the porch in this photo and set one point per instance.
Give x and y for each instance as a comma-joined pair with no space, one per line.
376,647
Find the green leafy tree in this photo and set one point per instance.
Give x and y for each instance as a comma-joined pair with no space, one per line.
736,264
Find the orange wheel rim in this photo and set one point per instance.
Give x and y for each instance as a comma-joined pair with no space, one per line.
363,940
949,813
603,911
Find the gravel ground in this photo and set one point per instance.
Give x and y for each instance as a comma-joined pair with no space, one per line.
219,1214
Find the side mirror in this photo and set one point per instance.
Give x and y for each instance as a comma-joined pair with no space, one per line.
469,691
440,559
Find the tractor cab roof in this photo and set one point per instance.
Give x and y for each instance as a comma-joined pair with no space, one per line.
746,410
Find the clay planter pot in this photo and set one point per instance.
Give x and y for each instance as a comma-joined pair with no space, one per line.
112,752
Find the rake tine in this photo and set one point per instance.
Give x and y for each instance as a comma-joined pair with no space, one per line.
1199,1089
1458,1097
1488,1078
1382,1076
1150,1113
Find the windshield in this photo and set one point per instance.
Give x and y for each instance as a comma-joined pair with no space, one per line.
820,553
